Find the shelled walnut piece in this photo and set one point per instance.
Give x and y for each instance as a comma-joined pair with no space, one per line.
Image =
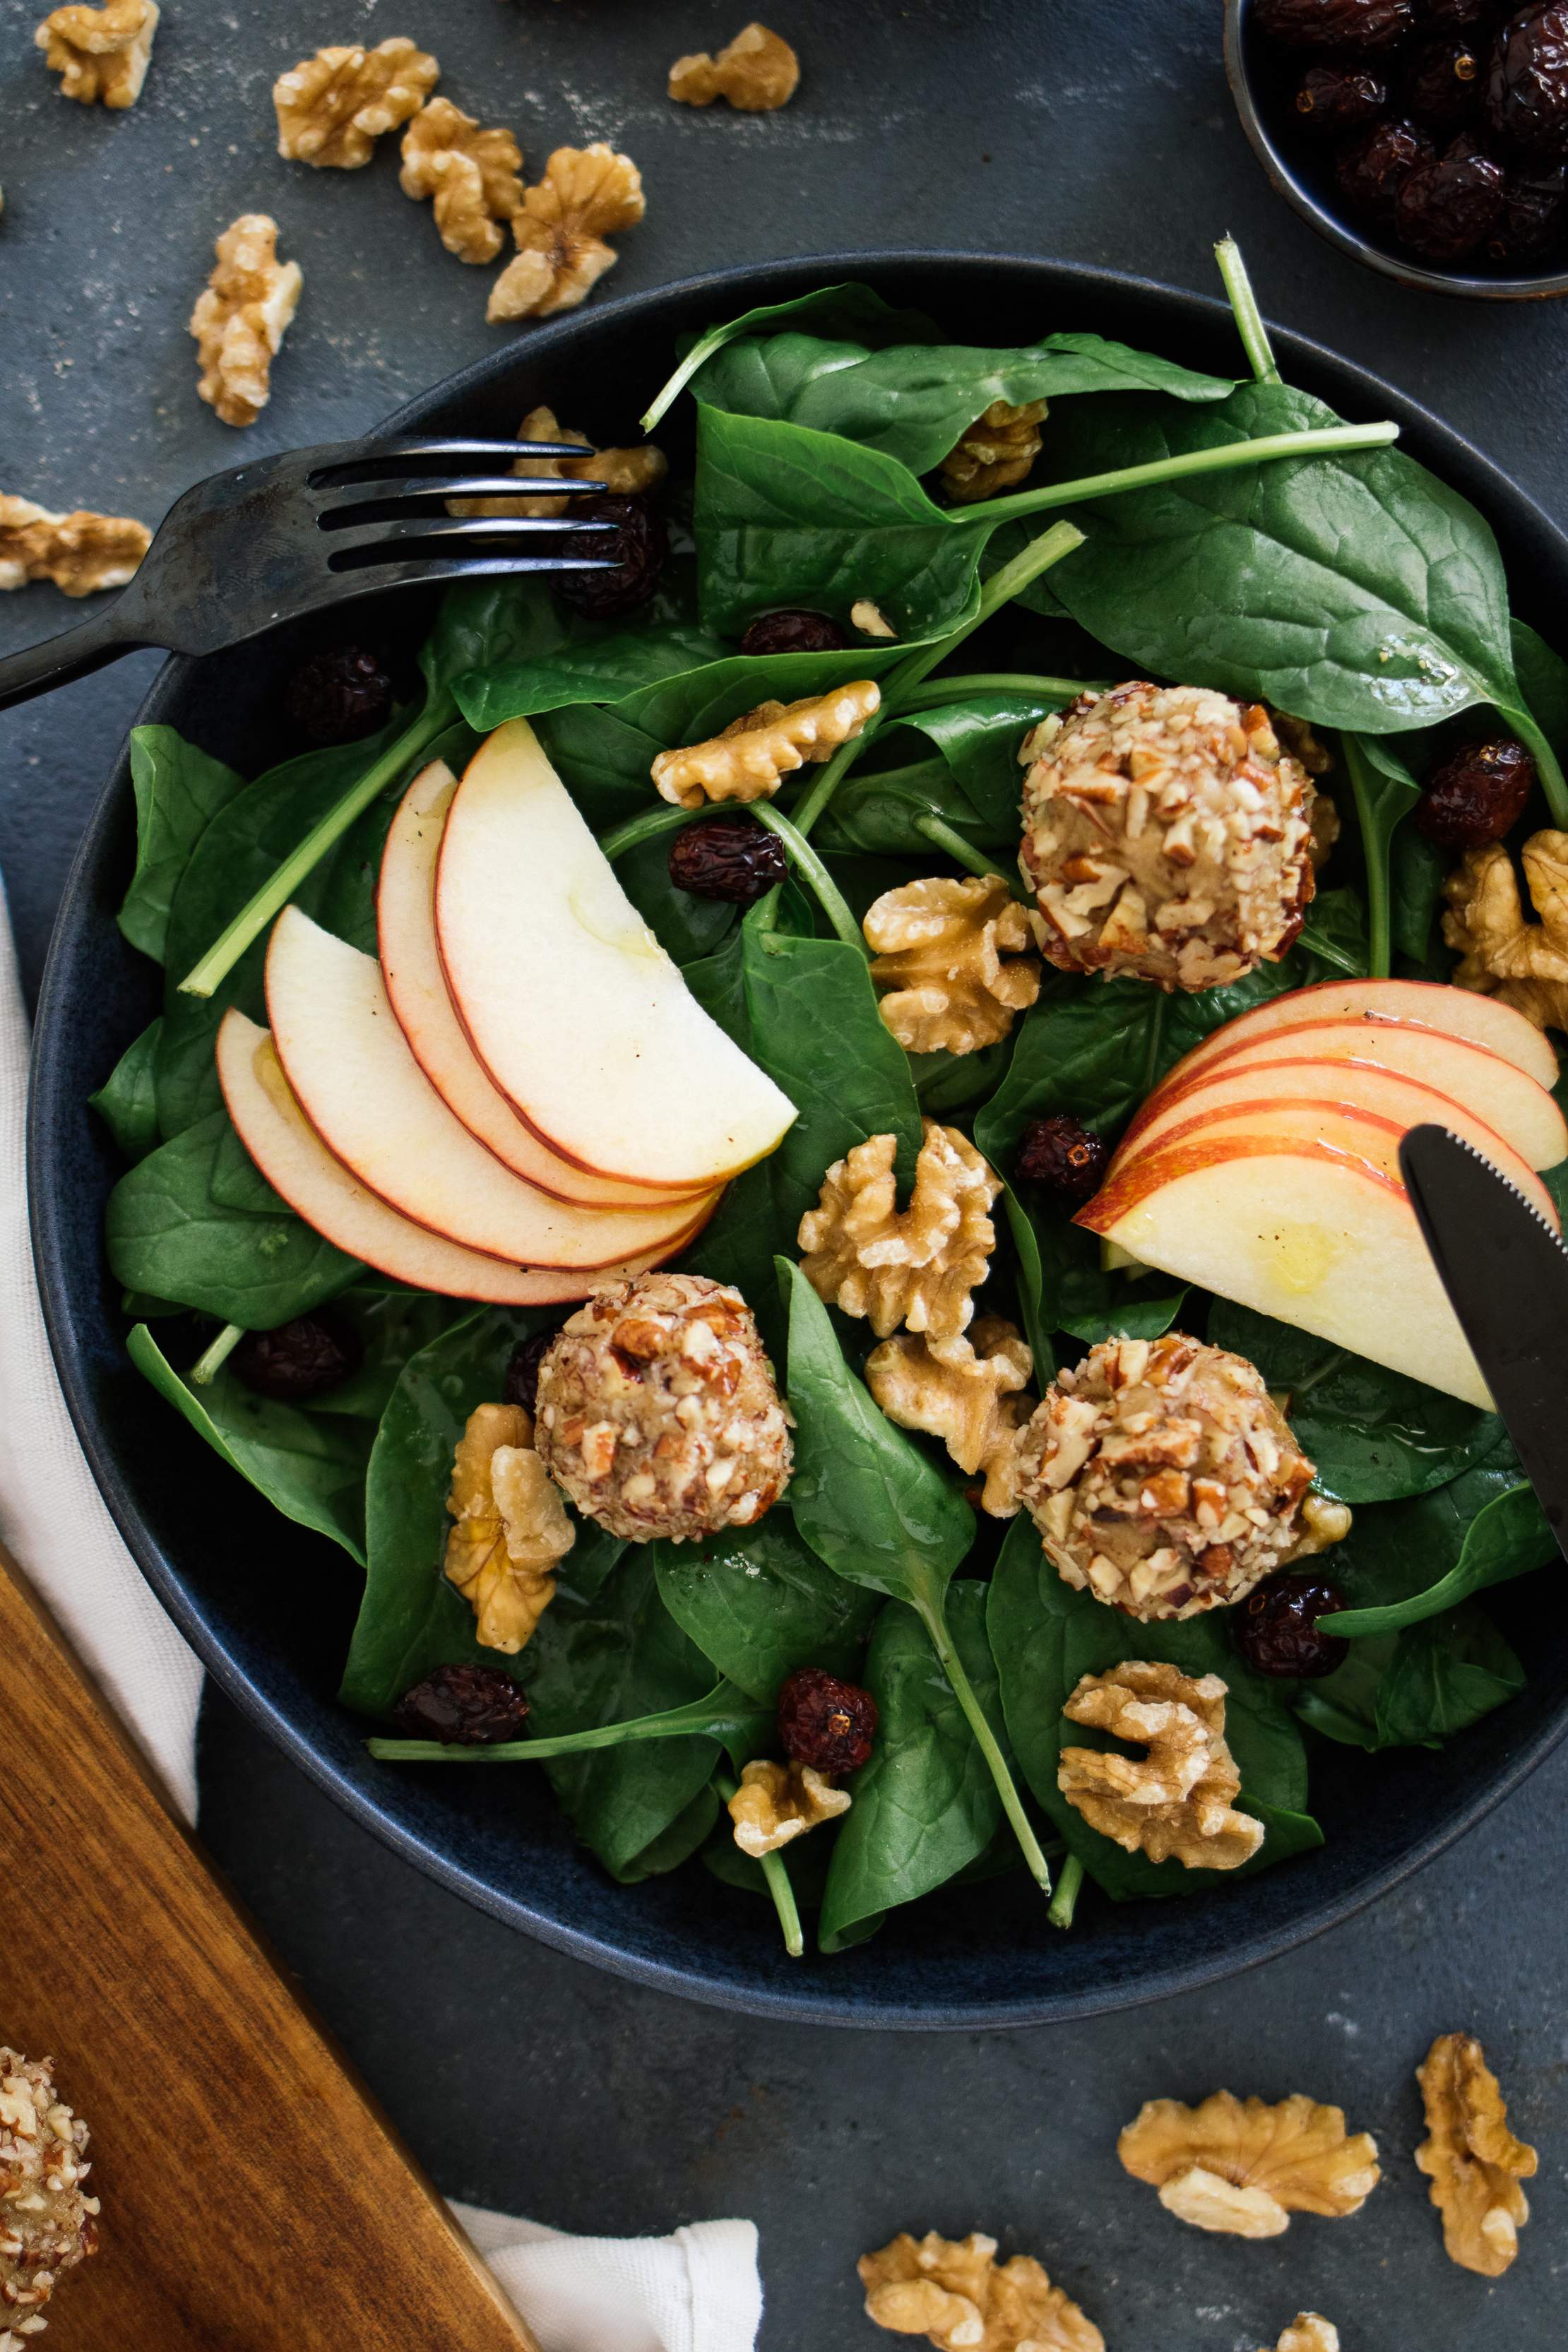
100,54
1243,2167
757,72
625,473
954,2292
587,194
970,1397
777,1803
47,2221
239,320
955,961
1177,1801
471,173
1473,2160
756,751
995,453
917,1267
1501,953
1309,2332
333,108
80,552
511,1528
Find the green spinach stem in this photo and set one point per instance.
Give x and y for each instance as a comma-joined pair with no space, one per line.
805,860
777,1877
211,1359
937,691
274,893
721,1714
1547,767
944,837
964,1692
1223,458
1379,941
1064,1902
1244,306
646,827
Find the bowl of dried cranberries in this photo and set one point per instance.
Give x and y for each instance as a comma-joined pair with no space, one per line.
1428,137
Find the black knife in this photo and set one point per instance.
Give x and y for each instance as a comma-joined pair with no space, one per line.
1506,1273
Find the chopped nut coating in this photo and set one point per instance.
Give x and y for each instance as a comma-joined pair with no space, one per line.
1163,1477
1473,2160
333,107
756,751
47,2221
1165,834
1501,953
969,1397
81,553
995,453
956,2293
471,173
100,54
239,320
915,1266
1309,2332
626,473
757,72
511,1528
777,1802
587,193
1242,2167
1177,1800
955,961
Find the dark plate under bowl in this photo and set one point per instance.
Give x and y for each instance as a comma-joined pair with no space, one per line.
269,1607
1263,77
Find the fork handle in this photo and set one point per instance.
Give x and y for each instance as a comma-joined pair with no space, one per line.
57,660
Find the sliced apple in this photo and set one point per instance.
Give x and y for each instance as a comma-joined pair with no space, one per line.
350,1069
1417,1003
579,1017
1315,1240
416,987
298,1165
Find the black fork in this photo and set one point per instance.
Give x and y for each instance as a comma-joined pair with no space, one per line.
273,542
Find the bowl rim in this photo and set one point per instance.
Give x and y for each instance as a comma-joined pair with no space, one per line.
810,1999
1546,287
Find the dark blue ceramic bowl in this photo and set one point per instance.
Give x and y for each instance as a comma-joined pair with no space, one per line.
269,1607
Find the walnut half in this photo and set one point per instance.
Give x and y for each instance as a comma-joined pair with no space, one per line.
777,1803
955,2292
587,193
471,173
756,751
757,72
511,1528
1474,2162
1501,953
917,1267
625,473
995,453
101,55
80,552
333,108
955,962
1243,2167
1177,1800
969,1397
239,320
1309,2332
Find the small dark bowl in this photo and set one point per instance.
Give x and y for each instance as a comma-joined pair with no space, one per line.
269,1607
1262,78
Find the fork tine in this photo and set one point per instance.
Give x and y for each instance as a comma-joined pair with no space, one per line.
378,541
372,577
463,485
431,455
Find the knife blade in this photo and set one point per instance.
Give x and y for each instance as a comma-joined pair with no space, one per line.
1506,1273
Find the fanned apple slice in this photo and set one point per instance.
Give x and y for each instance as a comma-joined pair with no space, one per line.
349,1067
578,1016
1419,1003
298,1165
416,987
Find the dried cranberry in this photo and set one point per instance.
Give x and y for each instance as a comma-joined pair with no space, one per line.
1334,100
1455,15
1372,168
1477,795
300,1360
521,1385
338,696
1063,1154
1534,223
826,1723
638,547
1276,1627
796,632
463,1706
1447,209
727,857
1527,89
1364,25
1441,87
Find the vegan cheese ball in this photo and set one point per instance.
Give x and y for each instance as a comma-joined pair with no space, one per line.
1166,832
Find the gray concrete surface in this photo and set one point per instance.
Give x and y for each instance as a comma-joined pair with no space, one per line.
1100,132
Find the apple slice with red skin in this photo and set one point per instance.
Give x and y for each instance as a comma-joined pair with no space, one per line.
350,1069
298,1165
579,1017
1416,1003
416,988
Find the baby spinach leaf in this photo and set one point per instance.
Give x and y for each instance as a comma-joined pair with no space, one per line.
979,735
179,790
485,624
1080,1296
950,1082
1507,1537
1374,1436
1415,1688
605,762
127,1102
758,1603
1384,792
877,813
1335,932
1543,675
310,1466
1419,871
687,928
848,310
391,1326
1030,1279
599,669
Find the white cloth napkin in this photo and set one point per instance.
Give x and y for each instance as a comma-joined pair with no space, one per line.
698,2291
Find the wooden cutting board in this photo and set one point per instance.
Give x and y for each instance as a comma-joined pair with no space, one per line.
254,2201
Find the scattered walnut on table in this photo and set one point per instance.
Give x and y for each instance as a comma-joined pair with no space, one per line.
1243,2167
471,173
1309,2332
47,2221
80,552
755,753
954,2292
1501,953
625,473
758,72
100,54
777,1803
333,108
511,1528
995,453
1175,1801
917,1267
969,1397
587,194
955,961
240,320
1473,2160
